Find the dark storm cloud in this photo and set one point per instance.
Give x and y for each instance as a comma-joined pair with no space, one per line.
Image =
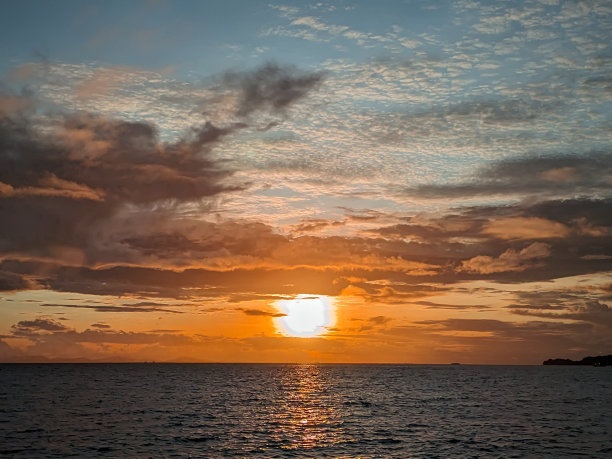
576,174
271,87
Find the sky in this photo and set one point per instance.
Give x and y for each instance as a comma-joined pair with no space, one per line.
347,181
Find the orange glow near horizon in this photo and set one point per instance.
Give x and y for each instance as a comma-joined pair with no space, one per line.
306,316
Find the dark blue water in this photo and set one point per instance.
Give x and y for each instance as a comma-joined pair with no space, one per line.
210,410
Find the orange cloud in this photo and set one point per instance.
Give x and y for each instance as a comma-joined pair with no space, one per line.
52,186
525,228
560,175
510,260
103,81
10,105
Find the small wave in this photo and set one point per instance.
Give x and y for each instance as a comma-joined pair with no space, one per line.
193,439
389,441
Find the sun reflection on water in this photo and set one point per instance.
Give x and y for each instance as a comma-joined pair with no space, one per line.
307,413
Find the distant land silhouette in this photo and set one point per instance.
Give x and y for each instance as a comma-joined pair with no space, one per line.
599,361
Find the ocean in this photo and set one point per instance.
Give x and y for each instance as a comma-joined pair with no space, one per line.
269,410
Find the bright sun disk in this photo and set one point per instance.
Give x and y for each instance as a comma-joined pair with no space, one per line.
305,316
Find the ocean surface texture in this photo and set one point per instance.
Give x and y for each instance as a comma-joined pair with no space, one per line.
217,410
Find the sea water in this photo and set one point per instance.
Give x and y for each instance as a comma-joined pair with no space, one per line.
244,410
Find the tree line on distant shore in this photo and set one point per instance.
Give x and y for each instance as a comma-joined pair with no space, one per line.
599,361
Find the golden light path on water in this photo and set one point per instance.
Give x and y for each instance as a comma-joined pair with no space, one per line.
307,411
305,316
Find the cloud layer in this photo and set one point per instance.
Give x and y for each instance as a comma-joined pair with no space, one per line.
444,178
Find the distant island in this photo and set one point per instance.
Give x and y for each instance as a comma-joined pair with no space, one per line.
599,361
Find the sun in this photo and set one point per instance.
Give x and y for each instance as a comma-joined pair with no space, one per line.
305,316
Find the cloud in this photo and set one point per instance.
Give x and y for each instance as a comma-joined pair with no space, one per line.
484,340
495,239
11,105
572,175
585,303
50,185
501,329
68,181
317,24
110,308
592,311
121,337
48,337
576,213
510,260
57,335
376,323
315,225
434,305
54,183
377,291
379,320
120,211
12,282
259,312
498,112
271,87
31,327
103,81
149,254
229,189
525,228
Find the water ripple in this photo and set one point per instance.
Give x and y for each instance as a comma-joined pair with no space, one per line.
152,410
